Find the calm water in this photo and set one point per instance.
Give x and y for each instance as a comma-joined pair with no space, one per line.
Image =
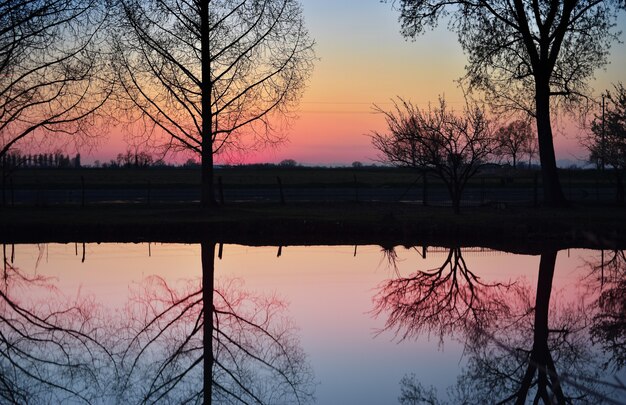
123,323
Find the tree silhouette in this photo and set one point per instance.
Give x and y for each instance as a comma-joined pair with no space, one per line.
525,53
213,76
52,71
452,147
248,353
514,139
607,142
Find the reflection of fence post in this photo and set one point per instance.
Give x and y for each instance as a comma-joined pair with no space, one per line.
280,251
220,251
424,248
536,190
356,189
424,189
220,187
280,188
82,187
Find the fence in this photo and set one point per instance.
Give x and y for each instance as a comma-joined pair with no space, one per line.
40,188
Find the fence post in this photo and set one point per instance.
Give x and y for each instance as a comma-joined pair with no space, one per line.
149,200
220,187
424,189
482,191
12,192
356,189
82,187
536,190
280,188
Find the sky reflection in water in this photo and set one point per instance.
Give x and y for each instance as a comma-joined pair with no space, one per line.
335,306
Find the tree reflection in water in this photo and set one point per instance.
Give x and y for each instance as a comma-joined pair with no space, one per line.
440,301
254,354
516,353
52,350
609,324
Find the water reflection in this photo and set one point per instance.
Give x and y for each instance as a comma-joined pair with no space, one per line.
443,300
609,324
158,349
51,350
520,345
251,355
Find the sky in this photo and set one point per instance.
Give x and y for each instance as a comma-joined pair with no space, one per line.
363,60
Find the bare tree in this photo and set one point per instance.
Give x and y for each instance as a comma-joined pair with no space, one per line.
607,141
52,75
525,53
436,140
514,139
213,76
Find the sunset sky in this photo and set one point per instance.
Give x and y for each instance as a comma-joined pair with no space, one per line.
363,59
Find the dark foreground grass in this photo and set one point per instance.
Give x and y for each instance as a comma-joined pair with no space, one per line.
512,229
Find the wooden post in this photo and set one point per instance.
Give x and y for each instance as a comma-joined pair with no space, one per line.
424,189
220,251
280,188
536,190
220,187
82,187
83,259
482,191
280,251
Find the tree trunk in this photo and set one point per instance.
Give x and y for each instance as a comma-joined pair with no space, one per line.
207,194
208,275
552,192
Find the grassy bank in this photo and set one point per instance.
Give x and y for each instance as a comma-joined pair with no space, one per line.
512,229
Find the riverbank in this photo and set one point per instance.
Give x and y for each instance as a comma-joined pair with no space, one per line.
505,228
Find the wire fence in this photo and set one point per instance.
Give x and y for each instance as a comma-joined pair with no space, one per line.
523,189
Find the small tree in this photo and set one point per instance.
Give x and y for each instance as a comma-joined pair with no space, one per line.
436,140
514,140
607,142
288,163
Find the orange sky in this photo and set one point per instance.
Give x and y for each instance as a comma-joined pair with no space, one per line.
363,59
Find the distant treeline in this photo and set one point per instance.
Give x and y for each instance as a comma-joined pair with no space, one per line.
16,160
